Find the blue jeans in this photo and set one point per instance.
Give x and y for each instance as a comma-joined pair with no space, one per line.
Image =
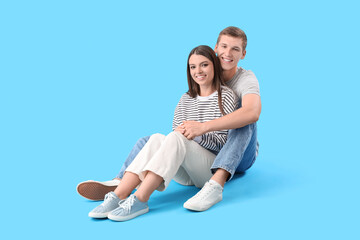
237,155
239,152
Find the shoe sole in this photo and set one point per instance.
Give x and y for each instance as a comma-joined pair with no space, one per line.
94,190
98,215
125,218
199,209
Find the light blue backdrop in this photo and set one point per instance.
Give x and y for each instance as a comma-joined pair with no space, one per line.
81,81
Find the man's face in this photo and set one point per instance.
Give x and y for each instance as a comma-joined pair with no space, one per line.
229,50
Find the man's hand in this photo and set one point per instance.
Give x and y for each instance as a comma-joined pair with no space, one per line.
193,129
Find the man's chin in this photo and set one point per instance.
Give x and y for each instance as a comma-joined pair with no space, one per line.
228,68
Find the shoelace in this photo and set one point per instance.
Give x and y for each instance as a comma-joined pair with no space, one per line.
108,197
127,204
206,190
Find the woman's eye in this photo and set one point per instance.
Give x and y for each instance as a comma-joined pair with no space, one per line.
205,65
192,67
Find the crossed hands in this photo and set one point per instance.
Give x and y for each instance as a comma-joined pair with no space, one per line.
191,129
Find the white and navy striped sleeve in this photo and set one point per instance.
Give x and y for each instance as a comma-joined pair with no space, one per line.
178,114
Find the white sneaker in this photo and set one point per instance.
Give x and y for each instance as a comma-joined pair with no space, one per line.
94,190
209,195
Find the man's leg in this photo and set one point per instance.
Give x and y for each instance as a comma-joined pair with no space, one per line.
95,190
238,154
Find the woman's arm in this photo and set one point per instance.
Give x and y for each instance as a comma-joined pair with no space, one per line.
178,115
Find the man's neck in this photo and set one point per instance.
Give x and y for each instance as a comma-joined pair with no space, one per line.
228,74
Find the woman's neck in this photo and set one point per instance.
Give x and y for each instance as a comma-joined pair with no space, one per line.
206,91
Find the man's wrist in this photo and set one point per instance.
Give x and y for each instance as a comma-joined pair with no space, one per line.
207,126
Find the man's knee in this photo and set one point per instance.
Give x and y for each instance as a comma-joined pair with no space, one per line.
142,141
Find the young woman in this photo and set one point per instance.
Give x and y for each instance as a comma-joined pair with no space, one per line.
173,156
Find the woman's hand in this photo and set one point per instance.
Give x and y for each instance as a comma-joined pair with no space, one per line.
193,129
180,129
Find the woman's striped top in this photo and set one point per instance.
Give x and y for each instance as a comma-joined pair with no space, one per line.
203,109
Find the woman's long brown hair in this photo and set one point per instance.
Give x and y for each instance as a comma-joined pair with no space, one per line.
194,88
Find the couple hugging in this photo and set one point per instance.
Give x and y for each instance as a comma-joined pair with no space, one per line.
214,136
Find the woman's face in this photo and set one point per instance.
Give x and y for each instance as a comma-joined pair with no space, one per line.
201,70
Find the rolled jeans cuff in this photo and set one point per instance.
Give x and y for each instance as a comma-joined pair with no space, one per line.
214,168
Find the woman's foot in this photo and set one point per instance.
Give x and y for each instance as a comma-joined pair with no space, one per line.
110,203
129,209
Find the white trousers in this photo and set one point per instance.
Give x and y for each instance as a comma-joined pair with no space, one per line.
174,157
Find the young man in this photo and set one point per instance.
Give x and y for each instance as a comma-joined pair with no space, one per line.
241,148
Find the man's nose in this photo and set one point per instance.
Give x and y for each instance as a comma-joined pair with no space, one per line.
227,52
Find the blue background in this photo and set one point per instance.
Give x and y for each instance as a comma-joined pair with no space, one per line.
81,81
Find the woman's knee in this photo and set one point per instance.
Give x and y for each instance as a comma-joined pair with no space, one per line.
156,137
176,135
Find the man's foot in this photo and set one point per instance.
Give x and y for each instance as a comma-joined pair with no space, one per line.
208,196
94,190
110,203
129,209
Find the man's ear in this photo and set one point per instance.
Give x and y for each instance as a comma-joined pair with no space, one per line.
243,55
215,49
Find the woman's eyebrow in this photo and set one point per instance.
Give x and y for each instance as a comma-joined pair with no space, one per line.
199,63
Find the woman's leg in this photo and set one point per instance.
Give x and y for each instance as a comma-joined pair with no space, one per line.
167,160
131,178
197,163
157,174
151,182
132,155
96,190
127,185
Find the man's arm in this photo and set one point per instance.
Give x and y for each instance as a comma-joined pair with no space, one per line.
247,114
